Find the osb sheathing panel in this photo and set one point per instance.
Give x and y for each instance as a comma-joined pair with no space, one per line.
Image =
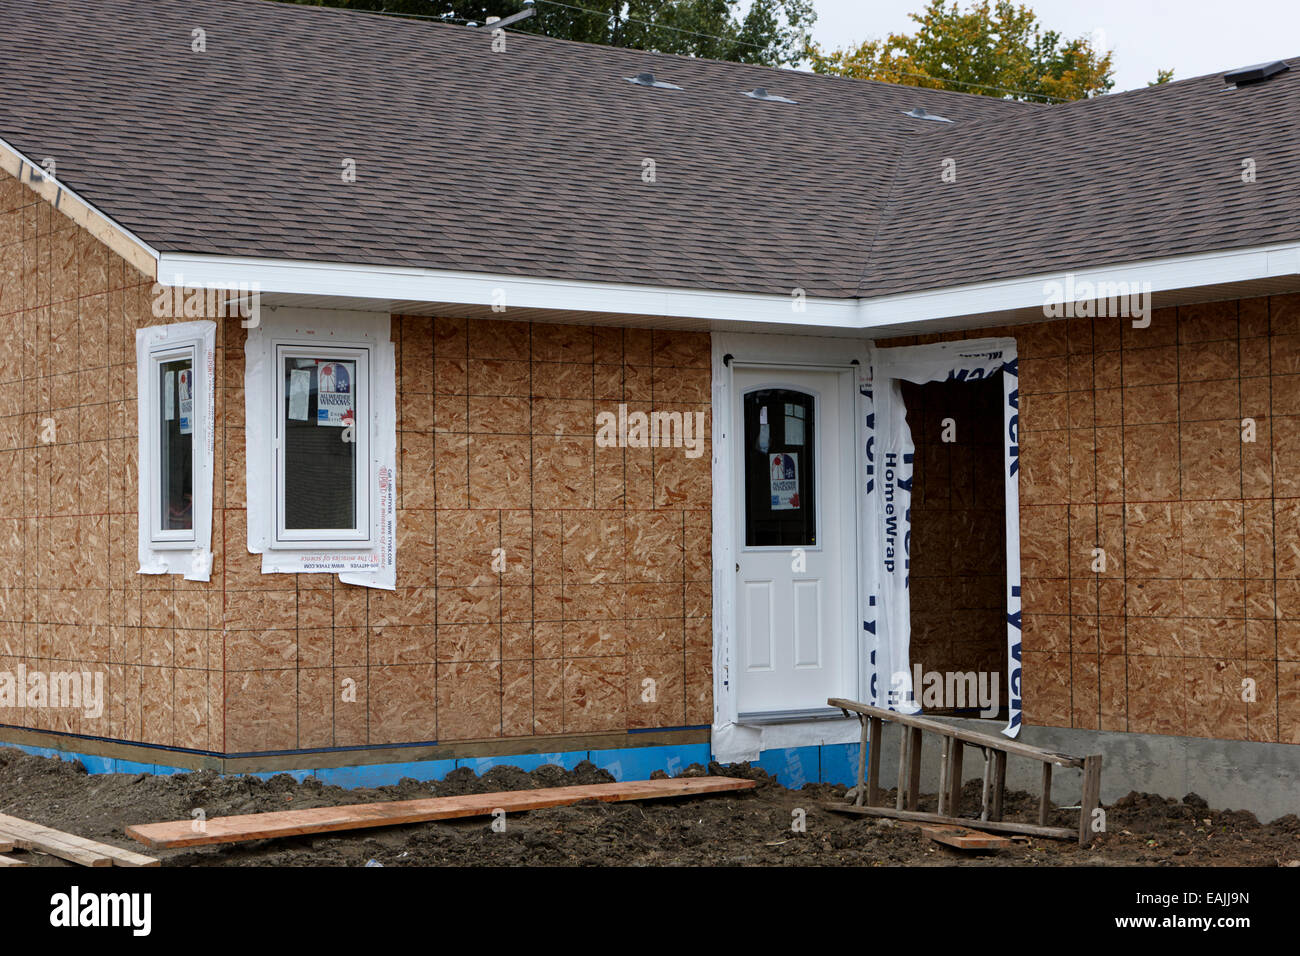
958,553
544,585
70,597
1132,442
599,621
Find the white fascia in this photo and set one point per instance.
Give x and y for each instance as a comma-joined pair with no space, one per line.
401,283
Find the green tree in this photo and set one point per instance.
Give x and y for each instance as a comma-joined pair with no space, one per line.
996,48
1162,77
774,32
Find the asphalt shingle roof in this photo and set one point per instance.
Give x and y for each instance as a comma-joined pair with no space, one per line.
525,162
530,162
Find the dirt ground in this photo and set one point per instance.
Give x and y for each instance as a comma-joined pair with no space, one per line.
746,828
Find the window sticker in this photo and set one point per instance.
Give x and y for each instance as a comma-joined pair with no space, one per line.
784,471
794,424
299,389
334,393
185,386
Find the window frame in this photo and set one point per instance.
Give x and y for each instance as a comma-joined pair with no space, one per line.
362,536
179,551
158,355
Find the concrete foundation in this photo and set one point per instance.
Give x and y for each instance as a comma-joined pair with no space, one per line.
1229,774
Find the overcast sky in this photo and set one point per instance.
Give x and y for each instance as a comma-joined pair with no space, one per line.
1193,37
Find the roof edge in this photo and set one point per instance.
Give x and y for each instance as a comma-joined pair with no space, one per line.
385,285
111,233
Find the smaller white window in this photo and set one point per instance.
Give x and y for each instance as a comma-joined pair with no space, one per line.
175,405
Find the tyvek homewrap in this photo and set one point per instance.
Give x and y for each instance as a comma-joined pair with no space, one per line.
369,566
890,455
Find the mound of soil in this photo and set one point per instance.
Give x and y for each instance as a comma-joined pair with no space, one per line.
754,827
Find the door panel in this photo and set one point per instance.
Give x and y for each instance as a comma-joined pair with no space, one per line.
795,534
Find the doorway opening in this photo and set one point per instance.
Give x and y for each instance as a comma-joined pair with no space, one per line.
958,557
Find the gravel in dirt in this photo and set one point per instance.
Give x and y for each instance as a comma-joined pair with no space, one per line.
754,827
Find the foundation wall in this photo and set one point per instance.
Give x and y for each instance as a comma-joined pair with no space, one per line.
1132,442
547,587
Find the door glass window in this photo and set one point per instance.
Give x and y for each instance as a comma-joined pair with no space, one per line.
780,461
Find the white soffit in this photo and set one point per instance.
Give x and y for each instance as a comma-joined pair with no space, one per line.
398,288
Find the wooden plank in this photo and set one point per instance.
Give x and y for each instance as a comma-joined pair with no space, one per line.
1091,797
10,861
999,784
945,749
62,850
873,774
284,823
959,733
902,769
5,846
986,784
1045,800
964,838
954,777
914,768
863,746
69,846
1001,826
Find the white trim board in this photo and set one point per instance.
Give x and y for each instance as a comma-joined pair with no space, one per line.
401,283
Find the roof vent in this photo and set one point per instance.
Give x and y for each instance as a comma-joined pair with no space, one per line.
761,93
648,79
921,113
1255,74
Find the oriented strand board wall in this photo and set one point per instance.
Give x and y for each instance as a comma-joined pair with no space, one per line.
70,597
1132,441
607,550
606,580
958,568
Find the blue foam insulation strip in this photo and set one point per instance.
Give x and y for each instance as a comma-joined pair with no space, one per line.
792,767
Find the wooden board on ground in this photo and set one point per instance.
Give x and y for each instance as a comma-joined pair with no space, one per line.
5,845
285,823
999,826
68,846
964,838
10,861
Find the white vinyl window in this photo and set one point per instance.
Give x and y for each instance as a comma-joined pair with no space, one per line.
320,433
321,461
174,393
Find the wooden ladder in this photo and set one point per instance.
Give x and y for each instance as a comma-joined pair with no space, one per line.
954,741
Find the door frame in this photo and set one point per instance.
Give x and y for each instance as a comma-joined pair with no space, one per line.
793,352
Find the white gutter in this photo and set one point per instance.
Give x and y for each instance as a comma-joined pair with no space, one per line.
401,283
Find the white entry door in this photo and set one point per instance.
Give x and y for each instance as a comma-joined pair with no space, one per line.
795,539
